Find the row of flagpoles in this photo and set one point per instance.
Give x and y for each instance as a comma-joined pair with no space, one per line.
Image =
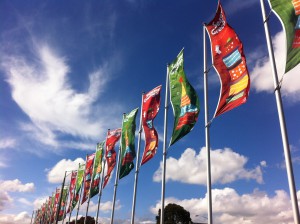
229,61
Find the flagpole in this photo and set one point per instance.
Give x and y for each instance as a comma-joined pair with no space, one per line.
71,199
284,135
164,150
65,209
80,194
100,192
207,126
60,198
137,164
88,203
117,177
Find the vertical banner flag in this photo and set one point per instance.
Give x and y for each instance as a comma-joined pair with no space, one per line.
87,177
184,100
151,103
97,169
63,203
127,143
229,61
78,185
288,12
52,207
56,201
110,153
72,188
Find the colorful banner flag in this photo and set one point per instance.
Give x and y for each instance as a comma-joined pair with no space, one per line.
71,189
288,12
127,143
88,176
97,169
230,62
56,201
110,153
184,100
150,108
78,185
62,214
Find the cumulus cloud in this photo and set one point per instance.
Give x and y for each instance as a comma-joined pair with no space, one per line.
5,200
226,166
55,107
261,74
57,172
16,186
229,207
22,217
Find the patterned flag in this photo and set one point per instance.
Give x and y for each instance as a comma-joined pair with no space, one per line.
62,215
78,185
288,12
71,189
88,176
97,169
151,103
110,153
127,143
184,100
230,63
56,201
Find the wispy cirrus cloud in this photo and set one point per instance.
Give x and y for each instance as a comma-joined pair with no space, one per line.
7,143
227,166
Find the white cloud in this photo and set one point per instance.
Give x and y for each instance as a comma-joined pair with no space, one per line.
231,208
22,217
16,186
7,143
262,78
5,200
25,201
104,207
226,166
38,202
55,107
57,172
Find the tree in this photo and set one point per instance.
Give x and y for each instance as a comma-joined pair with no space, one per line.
89,220
174,214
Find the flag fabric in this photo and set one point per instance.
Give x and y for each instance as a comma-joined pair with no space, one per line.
78,185
88,176
110,153
230,63
56,202
184,100
127,143
150,108
97,169
61,214
72,188
288,12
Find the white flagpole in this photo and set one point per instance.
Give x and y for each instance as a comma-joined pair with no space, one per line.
207,125
100,191
137,165
284,135
117,176
80,194
164,150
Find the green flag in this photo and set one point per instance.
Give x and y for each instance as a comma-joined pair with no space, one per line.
97,169
288,12
184,100
127,143
78,185
63,203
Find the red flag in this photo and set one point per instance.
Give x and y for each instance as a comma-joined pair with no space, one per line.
87,176
56,201
71,189
230,62
110,154
151,103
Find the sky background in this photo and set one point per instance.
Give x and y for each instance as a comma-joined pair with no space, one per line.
70,69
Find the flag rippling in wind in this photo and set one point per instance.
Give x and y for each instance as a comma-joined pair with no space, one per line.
87,177
127,143
78,185
62,214
97,169
72,188
229,61
288,12
110,153
150,108
184,100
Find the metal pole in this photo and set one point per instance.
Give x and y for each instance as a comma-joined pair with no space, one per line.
117,177
100,192
284,135
137,165
80,194
60,198
65,208
73,194
164,150
32,217
207,125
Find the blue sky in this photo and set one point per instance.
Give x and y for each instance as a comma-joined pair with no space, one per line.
70,69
